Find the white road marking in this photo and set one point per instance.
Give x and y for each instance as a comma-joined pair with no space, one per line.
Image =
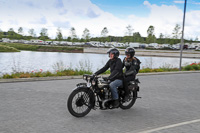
170,126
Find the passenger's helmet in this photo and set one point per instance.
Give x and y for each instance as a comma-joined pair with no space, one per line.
113,51
130,51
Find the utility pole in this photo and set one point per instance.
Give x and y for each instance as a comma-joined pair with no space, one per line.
182,37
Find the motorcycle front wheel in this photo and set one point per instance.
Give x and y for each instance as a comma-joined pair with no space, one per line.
128,104
79,102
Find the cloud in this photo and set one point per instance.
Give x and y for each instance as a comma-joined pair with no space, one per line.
91,13
63,12
179,2
13,22
146,3
59,4
196,3
30,4
41,20
65,24
83,14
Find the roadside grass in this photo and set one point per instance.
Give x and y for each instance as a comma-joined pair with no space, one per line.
72,72
43,48
4,48
66,72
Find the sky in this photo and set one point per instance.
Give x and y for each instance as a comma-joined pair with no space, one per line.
94,15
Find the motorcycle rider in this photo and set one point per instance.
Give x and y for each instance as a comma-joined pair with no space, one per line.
116,76
132,65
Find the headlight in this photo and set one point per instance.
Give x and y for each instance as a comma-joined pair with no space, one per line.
84,77
93,82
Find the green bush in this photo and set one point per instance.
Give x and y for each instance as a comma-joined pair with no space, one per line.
193,66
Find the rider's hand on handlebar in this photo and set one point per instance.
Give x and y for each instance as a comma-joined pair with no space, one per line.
106,79
93,75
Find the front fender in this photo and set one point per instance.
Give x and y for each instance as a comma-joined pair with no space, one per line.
81,84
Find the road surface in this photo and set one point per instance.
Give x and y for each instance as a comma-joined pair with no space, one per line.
169,104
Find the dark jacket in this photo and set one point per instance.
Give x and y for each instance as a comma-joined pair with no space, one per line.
115,66
132,67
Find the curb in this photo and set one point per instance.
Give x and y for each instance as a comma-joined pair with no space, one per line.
80,77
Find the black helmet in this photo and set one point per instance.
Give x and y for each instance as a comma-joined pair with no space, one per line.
113,51
130,51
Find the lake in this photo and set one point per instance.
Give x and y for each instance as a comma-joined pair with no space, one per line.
34,61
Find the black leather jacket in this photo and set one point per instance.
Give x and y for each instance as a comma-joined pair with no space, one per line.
115,66
132,67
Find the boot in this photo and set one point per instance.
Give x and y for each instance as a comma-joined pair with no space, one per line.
115,103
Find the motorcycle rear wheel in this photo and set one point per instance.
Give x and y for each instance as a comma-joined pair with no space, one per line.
79,102
130,103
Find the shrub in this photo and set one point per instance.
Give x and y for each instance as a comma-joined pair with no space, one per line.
24,75
193,66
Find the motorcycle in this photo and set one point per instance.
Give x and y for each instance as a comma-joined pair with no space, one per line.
95,94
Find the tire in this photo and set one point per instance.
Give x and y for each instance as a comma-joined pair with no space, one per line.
83,100
130,103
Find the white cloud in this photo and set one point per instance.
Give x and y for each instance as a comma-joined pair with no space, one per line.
179,2
67,13
196,3
164,18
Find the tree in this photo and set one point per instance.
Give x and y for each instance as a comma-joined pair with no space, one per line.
176,32
1,34
129,30
69,39
11,33
86,34
73,33
196,39
59,36
150,34
43,34
20,30
161,36
137,37
161,39
32,32
104,32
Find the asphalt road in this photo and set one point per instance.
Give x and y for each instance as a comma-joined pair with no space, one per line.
169,104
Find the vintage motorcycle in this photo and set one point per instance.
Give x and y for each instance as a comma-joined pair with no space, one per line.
95,93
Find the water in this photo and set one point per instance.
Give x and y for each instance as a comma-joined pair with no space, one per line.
28,61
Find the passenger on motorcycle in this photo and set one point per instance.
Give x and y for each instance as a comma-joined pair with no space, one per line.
116,76
132,66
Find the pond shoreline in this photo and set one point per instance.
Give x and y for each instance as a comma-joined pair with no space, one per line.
149,53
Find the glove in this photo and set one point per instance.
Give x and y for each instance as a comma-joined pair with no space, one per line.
93,75
106,79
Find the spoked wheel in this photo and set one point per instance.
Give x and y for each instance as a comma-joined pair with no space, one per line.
128,104
79,102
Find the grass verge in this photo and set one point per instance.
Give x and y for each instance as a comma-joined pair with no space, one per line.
71,72
43,48
4,48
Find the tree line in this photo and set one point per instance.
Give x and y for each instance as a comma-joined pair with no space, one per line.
130,36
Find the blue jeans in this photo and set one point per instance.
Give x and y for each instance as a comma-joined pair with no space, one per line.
113,87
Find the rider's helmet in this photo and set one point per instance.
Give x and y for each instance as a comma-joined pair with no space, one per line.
130,51
113,51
